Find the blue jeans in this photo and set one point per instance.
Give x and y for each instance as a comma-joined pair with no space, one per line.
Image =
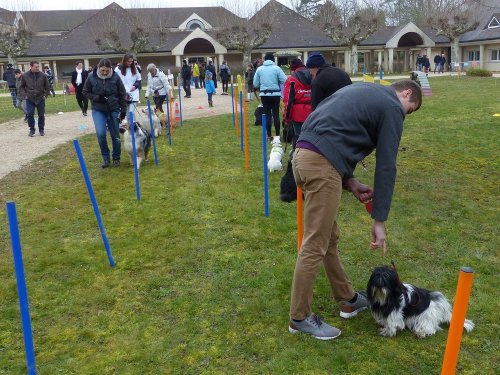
13,94
103,121
40,109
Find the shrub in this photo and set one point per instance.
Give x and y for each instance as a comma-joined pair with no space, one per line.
476,72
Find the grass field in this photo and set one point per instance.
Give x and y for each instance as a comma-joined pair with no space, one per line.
203,278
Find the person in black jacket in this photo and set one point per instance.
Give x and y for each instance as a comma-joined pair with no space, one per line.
186,78
78,78
326,78
105,90
10,77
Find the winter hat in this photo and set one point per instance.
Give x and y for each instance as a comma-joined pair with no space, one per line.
208,74
269,56
9,65
315,60
296,64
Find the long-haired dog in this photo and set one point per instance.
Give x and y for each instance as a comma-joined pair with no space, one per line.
154,119
396,305
274,163
142,142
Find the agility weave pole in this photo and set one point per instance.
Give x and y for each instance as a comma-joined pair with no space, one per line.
93,200
134,157
169,110
245,136
232,101
264,157
152,131
464,286
22,292
180,96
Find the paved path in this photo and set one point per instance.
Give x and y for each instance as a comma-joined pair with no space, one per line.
17,149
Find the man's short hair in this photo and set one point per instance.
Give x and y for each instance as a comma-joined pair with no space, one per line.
78,62
17,71
416,90
34,62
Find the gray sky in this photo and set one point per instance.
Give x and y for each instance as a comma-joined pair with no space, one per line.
97,4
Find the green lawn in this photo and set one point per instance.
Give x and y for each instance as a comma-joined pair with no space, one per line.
203,278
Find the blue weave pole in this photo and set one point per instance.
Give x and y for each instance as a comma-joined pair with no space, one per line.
180,98
21,288
381,74
152,131
168,118
134,156
264,157
97,213
232,101
241,120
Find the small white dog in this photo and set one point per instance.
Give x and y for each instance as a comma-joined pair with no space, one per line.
396,305
142,142
274,163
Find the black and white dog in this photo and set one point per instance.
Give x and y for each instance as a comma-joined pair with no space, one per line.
396,305
142,141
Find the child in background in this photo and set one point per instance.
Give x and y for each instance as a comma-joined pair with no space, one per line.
249,78
209,87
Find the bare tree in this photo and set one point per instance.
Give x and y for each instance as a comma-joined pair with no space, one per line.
15,40
244,33
123,32
348,25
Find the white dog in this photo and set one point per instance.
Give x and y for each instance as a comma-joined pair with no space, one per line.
396,305
274,163
142,142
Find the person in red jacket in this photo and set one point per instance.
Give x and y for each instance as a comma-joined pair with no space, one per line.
297,104
297,97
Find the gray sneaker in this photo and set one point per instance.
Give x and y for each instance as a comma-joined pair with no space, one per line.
315,327
350,310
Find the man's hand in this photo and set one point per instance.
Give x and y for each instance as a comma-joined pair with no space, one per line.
378,236
362,192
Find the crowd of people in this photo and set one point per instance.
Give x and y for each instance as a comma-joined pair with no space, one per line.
423,63
335,125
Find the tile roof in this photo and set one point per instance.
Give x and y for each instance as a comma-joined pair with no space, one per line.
289,29
482,32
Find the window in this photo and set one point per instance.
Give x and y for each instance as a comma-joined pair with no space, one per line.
195,24
473,55
495,55
493,23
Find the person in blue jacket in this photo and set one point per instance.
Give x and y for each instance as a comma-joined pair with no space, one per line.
269,78
209,87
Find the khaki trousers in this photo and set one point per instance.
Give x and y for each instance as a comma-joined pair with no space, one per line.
322,186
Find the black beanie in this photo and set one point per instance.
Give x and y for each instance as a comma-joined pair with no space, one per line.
315,60
269,56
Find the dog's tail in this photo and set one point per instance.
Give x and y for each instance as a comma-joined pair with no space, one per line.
468,325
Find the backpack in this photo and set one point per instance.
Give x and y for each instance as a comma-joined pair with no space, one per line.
299,97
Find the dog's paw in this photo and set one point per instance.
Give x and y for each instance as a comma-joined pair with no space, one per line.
387,332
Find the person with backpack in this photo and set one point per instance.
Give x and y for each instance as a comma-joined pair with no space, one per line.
297,97
50,78
225,76
10,78
297,107
249,78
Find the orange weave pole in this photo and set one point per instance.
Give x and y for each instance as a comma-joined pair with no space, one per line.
245,136
300,226
236,103
464,287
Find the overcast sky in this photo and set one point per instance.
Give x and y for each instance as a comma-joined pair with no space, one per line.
98,4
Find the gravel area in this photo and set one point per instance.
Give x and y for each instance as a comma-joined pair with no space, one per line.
19,150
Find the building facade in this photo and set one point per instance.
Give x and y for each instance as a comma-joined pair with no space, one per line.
62,37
